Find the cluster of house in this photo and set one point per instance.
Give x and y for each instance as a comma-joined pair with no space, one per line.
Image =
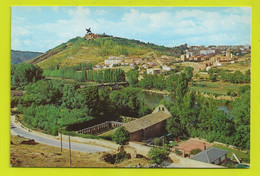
206,57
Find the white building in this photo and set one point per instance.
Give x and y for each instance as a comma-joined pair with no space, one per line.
166,68
112,61
207,52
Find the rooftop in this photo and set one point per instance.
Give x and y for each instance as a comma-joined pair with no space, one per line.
146,121
209,155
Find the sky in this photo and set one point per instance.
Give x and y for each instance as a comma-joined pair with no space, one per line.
40,28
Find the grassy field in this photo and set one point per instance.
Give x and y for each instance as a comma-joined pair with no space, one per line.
240,66
241,155
41,155
108,133
219,87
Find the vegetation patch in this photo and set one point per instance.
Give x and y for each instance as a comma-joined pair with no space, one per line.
116,158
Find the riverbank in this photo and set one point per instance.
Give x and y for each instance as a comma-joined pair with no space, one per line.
165,92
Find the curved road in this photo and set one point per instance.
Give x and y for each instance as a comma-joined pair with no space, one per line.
17,130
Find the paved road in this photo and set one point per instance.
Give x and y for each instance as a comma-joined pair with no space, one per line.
17,130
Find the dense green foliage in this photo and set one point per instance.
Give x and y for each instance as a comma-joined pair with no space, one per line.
157,155
107,75
132,77
237,77
128,102
82,103
197,116
121,136
241,115
22,74
51,118
153,81
42,92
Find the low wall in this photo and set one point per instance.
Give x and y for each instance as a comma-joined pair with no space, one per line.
99,142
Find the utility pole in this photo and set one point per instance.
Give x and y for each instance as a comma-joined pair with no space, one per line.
70,148
61,140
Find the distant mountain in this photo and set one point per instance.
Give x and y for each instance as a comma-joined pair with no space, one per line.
96,48
21,56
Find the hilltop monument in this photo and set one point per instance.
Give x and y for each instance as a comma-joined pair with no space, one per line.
89,35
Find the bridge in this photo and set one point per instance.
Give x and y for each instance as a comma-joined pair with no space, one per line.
114,86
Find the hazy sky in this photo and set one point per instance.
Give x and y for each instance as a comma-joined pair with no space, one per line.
42,28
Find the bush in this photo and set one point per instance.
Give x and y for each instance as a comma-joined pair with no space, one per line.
178,152
195,151
121,136
158,141
158,155
121,156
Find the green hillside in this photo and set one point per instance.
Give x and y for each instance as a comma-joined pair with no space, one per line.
21,56
79,50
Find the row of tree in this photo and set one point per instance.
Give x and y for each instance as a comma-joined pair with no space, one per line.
107,75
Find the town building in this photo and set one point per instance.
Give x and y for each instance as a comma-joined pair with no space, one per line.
211,155
149,126
207,52
154,71
112,61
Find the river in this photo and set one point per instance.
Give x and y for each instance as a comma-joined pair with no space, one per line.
153,99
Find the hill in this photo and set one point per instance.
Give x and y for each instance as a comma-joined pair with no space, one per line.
21,56
95,50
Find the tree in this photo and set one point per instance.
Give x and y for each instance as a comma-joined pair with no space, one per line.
171,83
189,73
241,115
173,124
132,77
121,136
144,110
157,155
128,101
43,92
22,74
213,77
231,92
89,97
181,87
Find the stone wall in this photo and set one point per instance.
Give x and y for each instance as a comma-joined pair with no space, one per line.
100,127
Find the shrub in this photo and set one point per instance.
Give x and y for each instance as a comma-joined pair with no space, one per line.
121,156
158,155
121,136
178,152
195,151
158,141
